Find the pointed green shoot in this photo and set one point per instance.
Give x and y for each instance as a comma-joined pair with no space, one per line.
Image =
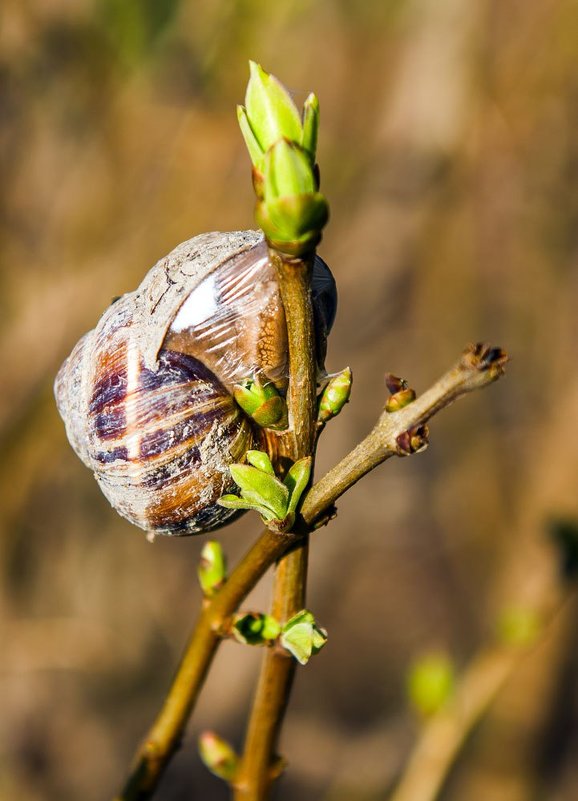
310,125
218,756
255,152
212,570
296,481
270,110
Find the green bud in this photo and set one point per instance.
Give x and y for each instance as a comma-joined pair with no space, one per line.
212,570
335,395
262,402
218,756
290,210
518,626
302,637
430,682
255,628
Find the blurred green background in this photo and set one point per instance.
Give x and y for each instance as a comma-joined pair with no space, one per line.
449,155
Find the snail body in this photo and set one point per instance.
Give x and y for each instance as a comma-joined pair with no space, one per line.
147,395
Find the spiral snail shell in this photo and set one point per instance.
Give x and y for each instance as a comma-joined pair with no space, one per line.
147,395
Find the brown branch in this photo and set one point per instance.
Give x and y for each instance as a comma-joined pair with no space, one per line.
257,766
478,366
473,371
165,735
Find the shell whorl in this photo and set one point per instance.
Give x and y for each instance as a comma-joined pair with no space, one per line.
147,395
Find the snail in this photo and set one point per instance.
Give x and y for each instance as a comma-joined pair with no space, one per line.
147,395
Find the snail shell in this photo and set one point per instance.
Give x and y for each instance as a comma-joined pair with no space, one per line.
146,396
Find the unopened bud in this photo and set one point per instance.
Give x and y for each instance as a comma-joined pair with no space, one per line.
218,755
413,440
302,637
212,570
255,628
399,399
262,402
430,682
335,395
394,383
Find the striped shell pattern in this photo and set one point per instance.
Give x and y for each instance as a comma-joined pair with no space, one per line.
146,396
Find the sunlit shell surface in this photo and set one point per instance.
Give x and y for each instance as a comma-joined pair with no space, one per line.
147,395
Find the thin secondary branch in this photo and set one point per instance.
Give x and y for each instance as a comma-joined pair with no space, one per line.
165,735
257,766
445,734
477,368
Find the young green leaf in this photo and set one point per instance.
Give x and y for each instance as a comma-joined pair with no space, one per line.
253,146
296,481
310,125
272,493
261,461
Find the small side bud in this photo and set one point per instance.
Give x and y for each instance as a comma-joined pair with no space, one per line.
262,402
335,395
399,399
413,440
218,756
212,570
430,683
255,628
302,637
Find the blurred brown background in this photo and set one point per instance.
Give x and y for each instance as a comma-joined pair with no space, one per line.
449,154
